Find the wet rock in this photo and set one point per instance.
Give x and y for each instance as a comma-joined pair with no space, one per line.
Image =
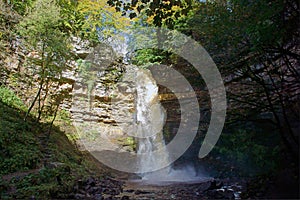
79,196
69,196
220,194
99,189
125,198
94,190
141,192
79,184
87,188
111,191
91,181
81,191
228,194
129,191
218,183
98,197
53,165
111,198
210,185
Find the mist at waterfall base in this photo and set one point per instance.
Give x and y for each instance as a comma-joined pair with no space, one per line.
150,120
185,174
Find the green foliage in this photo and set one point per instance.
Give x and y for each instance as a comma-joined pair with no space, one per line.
44,184
65,116
84,70
130,141
97,21
71,20
22,150
249,151
20,6
159,12
43,35
41,30
147,57
19,147
252,43
42,19
87,75
8,97
219,26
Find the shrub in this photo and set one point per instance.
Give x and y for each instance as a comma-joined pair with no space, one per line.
8,97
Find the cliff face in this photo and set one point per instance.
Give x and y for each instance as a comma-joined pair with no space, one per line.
102,112
90,89
99,91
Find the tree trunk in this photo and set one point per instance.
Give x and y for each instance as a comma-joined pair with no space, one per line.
35,99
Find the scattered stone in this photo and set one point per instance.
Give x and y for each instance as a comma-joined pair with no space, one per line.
129,191
137,192
220,194
125,198
79,196
53,165
98,197
106,188
91,181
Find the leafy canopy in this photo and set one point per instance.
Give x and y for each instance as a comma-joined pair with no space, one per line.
160,13
99,20
41,30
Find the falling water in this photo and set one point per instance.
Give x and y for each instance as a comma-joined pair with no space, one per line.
150,119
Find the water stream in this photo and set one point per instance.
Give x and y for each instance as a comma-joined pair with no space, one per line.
150,119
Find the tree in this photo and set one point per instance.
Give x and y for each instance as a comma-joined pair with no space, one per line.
255,44
19,6
98,20
159,12
49,46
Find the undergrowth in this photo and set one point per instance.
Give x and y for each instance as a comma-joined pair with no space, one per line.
24,172
248,152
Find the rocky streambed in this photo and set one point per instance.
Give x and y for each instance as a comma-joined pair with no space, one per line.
108,188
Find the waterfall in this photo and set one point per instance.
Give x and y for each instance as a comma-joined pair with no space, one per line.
150,119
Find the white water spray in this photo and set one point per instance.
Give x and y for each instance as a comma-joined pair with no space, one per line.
150,119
